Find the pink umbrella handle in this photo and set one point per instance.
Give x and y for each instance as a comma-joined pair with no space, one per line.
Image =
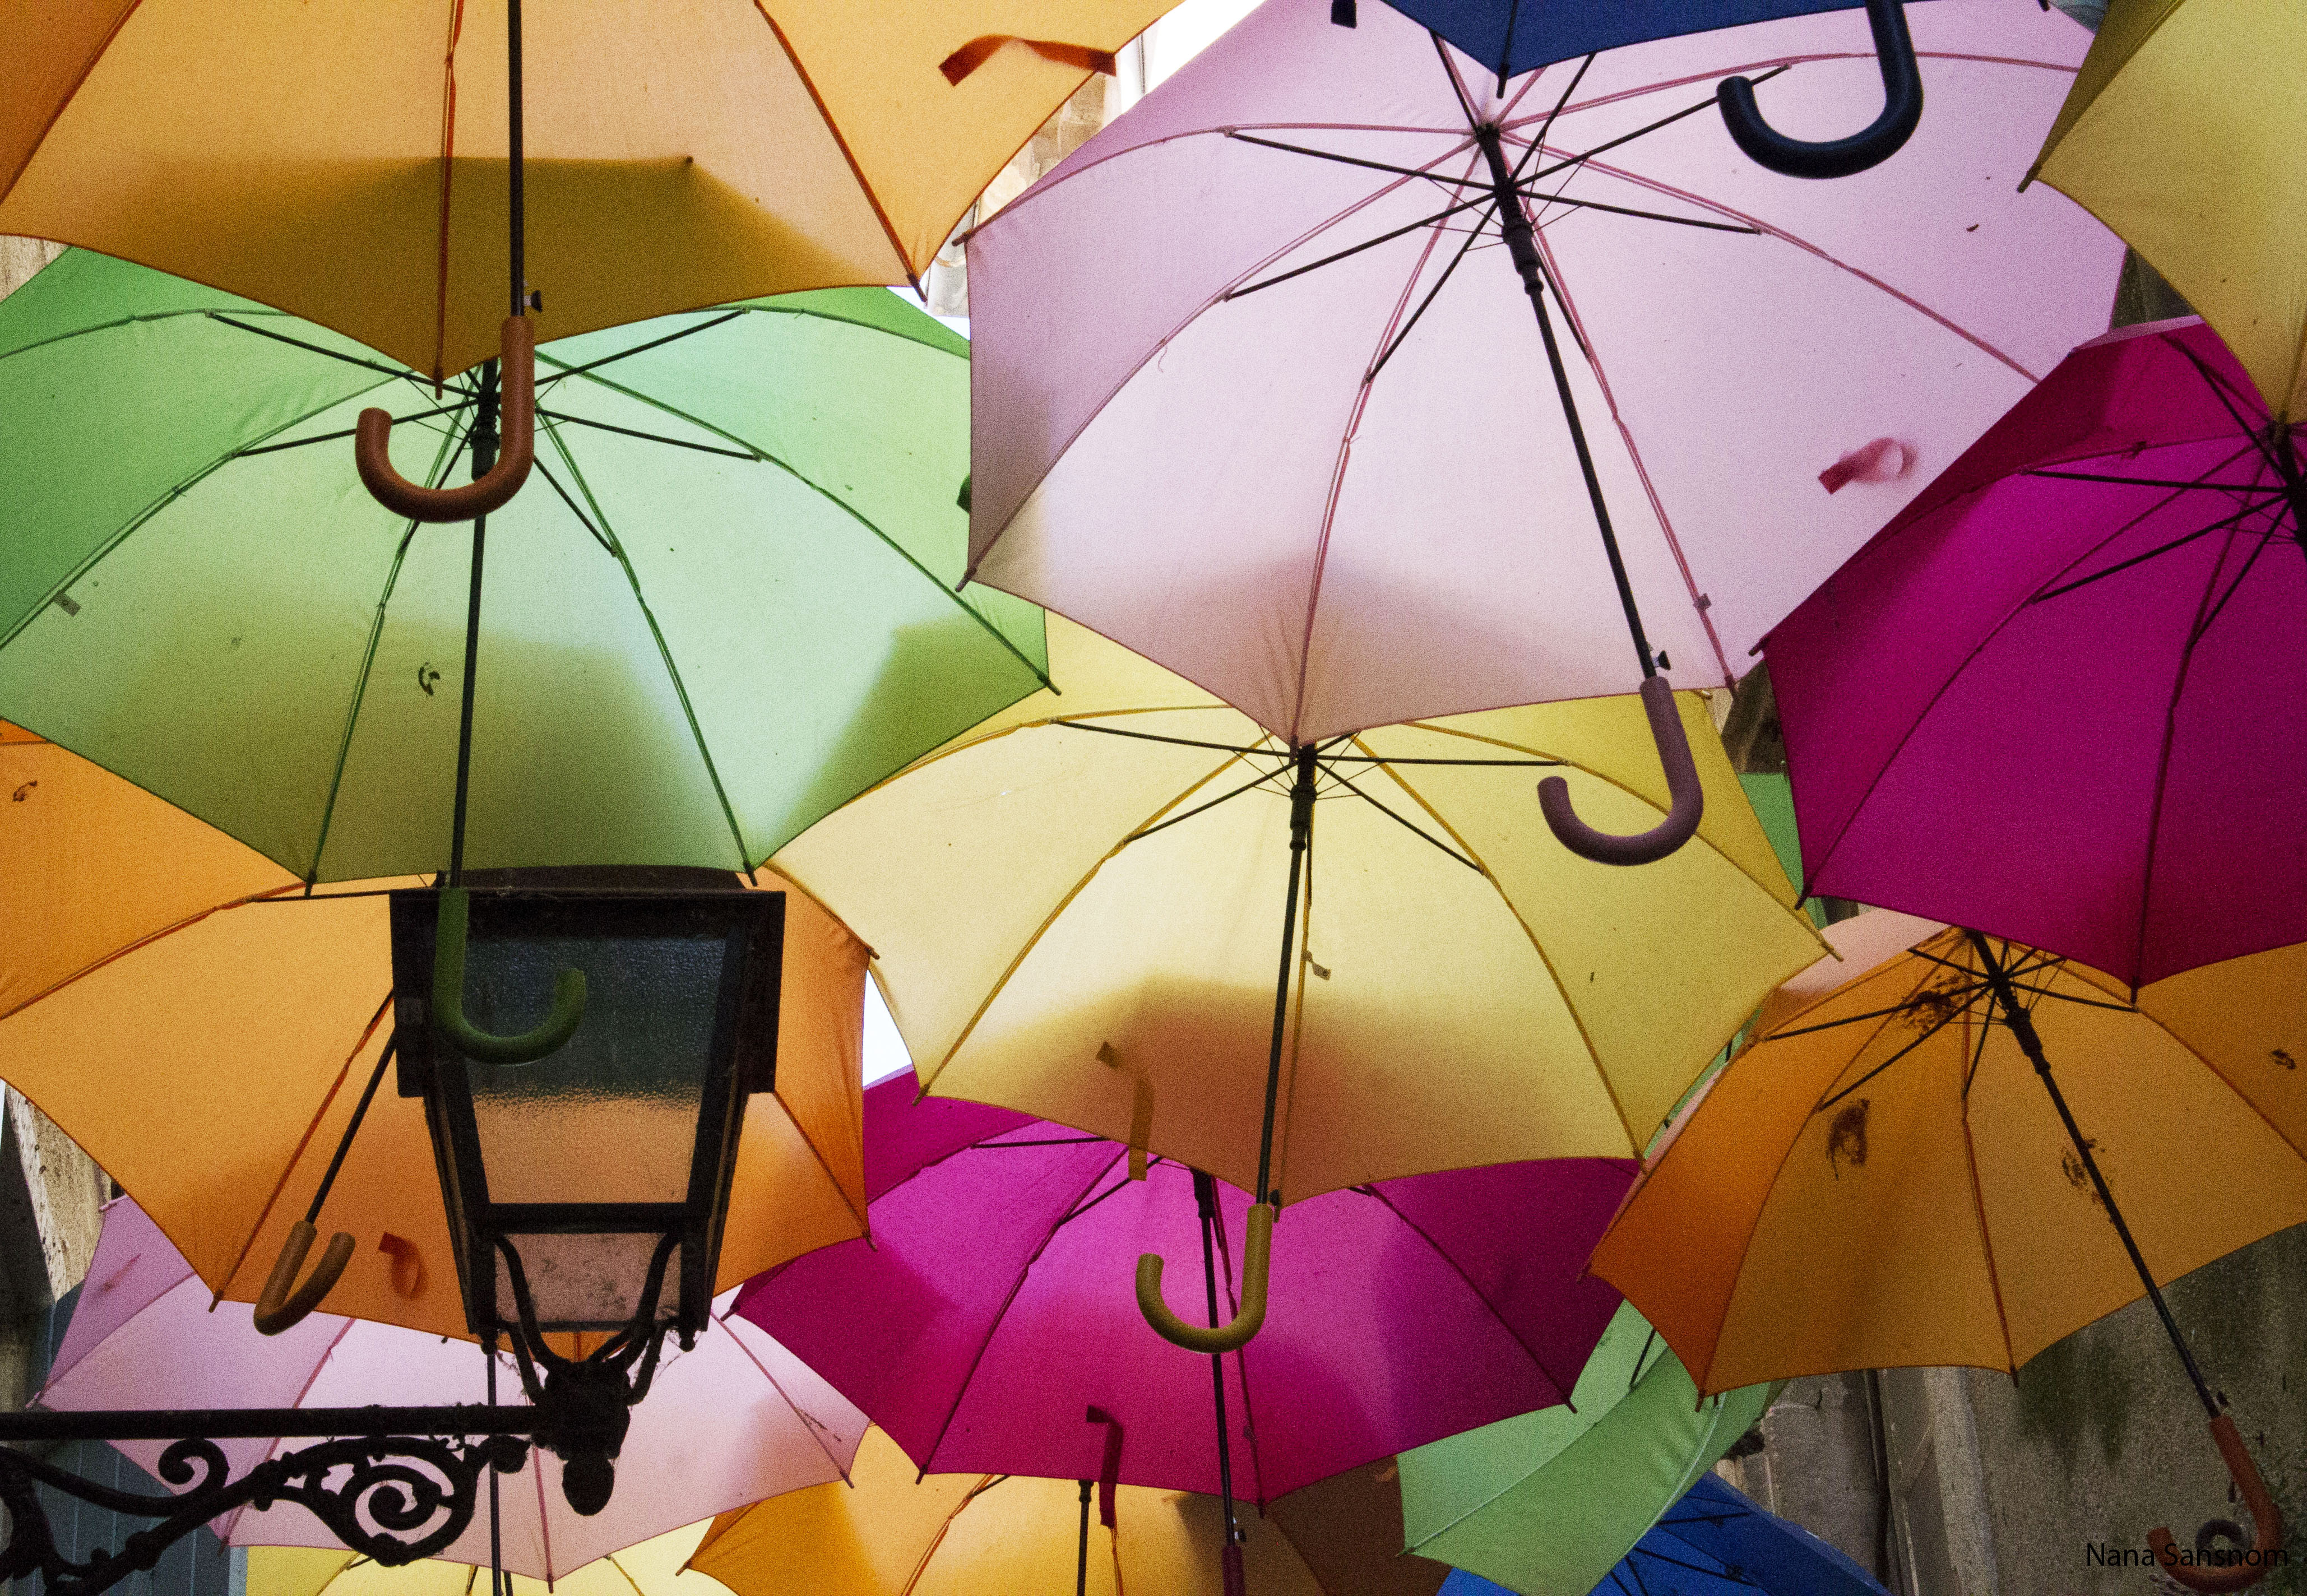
278,1308
372,433
1218,1338
2264,1551
1902,108
1682,785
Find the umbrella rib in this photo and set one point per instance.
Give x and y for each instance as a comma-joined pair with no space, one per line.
1349,161
655,343
807,1423
450,446
347,432
1414,829
1256,781
1934,1027
1635,1139
1367,244
1979,1208
1481,1297
664,652
994,993
735,454
1679,222
2162,482
951,595
1232,747
1432,294
582,518
825,114
402,374
993,1325
2223,524
1628,138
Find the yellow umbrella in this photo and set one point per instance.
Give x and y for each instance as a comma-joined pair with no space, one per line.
1891,1174
1074,911
206,1034
652,1569
2182,133
348,162
890,1532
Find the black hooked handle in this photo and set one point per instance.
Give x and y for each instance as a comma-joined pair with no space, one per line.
1902,108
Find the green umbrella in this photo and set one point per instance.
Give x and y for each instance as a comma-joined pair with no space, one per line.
723,604
1548,1502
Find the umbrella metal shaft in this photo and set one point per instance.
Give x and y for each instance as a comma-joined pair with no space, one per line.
2030,1042
1521,245
1301,837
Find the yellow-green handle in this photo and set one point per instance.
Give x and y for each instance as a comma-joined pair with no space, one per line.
1220,1338
448,998
277,1306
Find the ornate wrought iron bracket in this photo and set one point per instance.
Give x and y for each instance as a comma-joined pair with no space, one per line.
394,1484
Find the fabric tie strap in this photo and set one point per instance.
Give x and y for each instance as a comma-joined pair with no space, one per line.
979,50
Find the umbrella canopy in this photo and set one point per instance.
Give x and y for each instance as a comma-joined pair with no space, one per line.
1074,911
351,168
1875,1181
726,607
1271,417
892,1532
1549,1502
2176,135
652,1569
1714,1542
1524,34
990,1308
207,1037
2052,699
734,1418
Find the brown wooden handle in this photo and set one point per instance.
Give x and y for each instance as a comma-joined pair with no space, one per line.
2265,1549
979,50
516,452
277,1306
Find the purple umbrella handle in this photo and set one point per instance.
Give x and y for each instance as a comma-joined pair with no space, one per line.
278,1308
1219,1338
1682,785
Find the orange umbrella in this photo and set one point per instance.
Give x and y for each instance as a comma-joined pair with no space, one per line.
206,1032
348,163
1942,1148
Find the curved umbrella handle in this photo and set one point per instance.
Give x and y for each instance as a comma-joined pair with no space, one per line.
1220,1338
1902,108
278,1308
2259,1557
448,998
516,451
1682,785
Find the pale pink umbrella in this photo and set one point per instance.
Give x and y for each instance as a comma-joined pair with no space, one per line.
735,1420
1254,393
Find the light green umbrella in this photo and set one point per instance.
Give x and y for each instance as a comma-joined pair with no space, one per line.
1548,1502
723,604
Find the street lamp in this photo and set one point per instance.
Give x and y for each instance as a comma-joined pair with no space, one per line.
584,1058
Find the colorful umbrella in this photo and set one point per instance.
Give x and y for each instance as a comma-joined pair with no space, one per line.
351,168
1520,35
208,1037
1551,1501
1249,400
734,1418
1714,1542
2177,134
652,1569
727,607
1875,1181
984,1316
1072,913
2052,699
892,1532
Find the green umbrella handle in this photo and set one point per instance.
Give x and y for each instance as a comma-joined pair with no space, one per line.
2251,1564
1687,793
372,433
448,998
277,1306
1220,1338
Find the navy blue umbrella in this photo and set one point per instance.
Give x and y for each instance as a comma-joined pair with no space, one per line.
1512,37
1716,1542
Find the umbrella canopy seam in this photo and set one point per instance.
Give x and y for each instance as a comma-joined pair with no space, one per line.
1985,1234
146,940
793,59
777,1386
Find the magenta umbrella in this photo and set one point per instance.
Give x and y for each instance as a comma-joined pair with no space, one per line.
2063,697
733,1419
1256,393
985,1314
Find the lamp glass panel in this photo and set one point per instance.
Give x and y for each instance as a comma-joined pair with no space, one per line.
613,1116
590,1280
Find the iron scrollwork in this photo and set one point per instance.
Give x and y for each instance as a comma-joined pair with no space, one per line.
394,1499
